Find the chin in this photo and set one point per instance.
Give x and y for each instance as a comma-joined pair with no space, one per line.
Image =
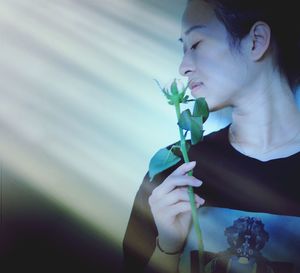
214,106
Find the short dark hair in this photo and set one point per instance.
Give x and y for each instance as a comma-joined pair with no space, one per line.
238,16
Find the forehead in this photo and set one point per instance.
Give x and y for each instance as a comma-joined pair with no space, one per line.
197,12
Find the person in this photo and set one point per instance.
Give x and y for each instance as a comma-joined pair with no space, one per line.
244,55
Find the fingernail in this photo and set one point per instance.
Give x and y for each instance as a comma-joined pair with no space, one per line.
191,163
198,182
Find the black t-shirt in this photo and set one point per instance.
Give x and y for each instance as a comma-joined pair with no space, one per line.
252,209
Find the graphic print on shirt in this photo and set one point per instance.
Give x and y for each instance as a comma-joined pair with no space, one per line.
244,242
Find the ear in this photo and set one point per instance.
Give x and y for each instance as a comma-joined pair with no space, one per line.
260,37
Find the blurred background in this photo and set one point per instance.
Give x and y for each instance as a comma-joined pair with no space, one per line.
80,118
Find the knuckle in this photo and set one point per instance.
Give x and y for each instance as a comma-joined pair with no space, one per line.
170,177
182,193
187,206
169,181
177,194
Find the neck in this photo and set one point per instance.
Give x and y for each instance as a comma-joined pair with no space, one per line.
265,121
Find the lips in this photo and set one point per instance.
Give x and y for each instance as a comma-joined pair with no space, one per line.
193,85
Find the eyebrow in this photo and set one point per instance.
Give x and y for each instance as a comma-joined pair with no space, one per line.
187,32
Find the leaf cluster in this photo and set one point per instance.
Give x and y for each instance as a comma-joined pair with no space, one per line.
174,95
188,122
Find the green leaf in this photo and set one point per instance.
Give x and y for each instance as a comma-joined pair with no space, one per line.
157,82
174,89
196,130
161,161
181,95
201,109
196,134
168,96
185,99
184,121
192,124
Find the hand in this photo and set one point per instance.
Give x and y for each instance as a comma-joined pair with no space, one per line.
171,209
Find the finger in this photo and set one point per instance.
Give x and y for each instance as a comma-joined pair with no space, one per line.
172,182
178,208
184,168
175,196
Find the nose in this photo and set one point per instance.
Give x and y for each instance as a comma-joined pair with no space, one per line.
186,66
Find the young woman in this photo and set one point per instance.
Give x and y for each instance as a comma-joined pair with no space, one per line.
246,55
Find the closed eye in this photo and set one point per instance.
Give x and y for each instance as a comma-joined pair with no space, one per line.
194,46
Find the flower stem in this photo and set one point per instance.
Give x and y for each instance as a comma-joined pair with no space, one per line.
191,194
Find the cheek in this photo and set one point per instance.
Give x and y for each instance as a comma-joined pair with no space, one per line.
220,69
